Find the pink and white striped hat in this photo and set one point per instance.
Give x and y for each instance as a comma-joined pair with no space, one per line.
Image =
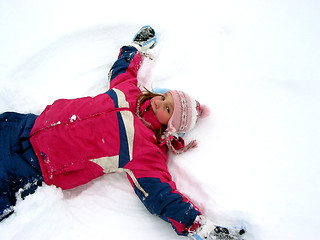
186,114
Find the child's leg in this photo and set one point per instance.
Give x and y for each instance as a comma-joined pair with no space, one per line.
20,173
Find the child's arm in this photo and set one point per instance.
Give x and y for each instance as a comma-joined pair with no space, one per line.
128,63
165,201
169,204
126,67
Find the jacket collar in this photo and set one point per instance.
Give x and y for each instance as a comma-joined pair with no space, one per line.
148,117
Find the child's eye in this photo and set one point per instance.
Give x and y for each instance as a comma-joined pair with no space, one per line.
163,98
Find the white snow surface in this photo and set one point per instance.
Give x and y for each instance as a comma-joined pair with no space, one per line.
256,64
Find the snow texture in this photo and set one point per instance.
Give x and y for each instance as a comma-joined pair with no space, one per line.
254,63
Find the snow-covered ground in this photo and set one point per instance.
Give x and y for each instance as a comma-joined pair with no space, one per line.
256,64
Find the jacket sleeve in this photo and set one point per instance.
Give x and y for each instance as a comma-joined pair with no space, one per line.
169,204
126,67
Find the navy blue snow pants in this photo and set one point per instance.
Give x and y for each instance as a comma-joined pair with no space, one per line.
20,173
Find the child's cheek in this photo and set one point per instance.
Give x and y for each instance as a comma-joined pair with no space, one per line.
162,117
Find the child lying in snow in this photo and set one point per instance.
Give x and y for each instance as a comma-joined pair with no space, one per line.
123,130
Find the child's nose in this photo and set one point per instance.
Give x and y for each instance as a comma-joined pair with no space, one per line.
157,103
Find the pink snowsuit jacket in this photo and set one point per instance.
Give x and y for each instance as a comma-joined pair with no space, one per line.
81,139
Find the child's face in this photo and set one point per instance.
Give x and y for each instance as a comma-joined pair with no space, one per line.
162,107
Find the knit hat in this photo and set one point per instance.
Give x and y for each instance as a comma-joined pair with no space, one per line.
186,114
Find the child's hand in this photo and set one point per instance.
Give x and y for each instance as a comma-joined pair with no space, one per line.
145,39
210,231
